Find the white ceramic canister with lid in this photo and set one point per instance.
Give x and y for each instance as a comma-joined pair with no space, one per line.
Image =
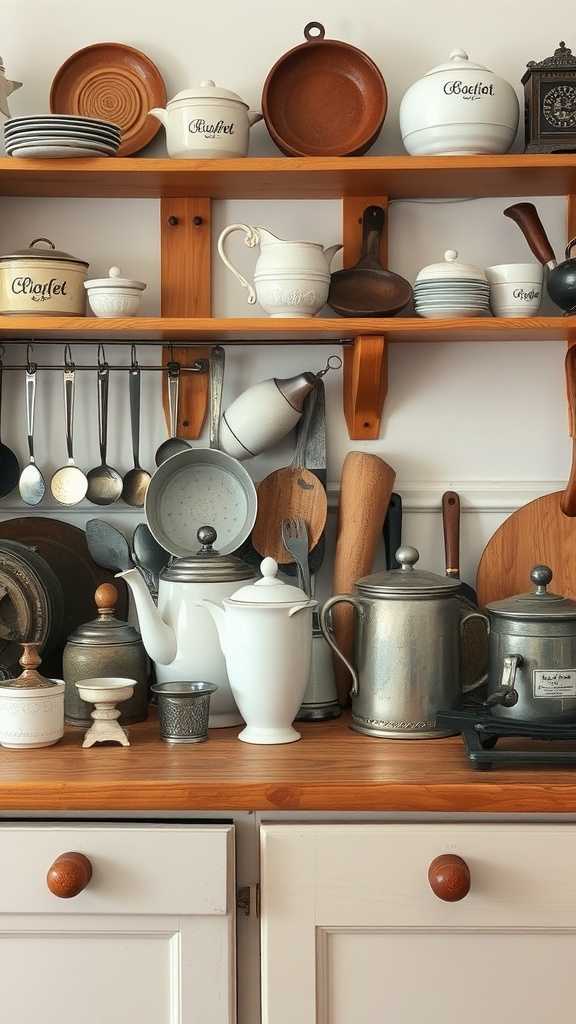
459,107
206,122
42,282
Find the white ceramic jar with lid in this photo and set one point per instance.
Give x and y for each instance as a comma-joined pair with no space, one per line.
206,122
451,269
31,706
459,107
265,631
42,281
114,295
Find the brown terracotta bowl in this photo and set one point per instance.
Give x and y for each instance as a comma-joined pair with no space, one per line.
324,98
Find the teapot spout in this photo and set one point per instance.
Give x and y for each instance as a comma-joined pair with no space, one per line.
331,250
159,639
159,113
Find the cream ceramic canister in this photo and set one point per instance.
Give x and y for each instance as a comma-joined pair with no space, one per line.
206,123
31,707
42,281
265,631
459,107
291,279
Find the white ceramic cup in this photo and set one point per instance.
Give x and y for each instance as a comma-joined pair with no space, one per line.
515,289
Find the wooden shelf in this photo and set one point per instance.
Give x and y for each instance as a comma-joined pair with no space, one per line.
268,331
398,177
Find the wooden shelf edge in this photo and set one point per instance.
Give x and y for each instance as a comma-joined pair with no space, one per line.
270,331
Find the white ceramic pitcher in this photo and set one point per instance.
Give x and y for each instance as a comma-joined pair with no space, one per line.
291,278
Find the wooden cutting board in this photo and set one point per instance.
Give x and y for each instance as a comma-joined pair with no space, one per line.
536,534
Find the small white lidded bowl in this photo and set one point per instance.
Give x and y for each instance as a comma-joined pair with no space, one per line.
516,289
114,296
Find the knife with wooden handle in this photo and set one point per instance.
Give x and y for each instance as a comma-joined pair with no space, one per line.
365,490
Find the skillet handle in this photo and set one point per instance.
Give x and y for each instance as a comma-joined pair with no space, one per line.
372,228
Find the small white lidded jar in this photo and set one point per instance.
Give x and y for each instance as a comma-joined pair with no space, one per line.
31,707
114,295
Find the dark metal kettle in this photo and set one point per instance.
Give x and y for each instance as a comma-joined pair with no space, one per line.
562,276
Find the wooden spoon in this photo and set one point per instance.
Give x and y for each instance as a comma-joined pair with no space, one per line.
290,493
367,484
568,502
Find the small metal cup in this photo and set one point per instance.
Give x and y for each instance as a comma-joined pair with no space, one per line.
183,709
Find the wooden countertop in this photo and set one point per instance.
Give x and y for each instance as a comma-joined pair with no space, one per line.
330,769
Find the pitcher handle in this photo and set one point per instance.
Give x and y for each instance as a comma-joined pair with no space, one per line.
337,599
466,618
252,239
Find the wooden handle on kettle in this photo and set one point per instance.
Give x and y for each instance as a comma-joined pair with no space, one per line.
449,877
69,875
367,483
525,215
451,525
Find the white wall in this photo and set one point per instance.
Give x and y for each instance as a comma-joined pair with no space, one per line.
487,419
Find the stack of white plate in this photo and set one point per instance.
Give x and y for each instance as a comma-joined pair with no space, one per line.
451,289
60,135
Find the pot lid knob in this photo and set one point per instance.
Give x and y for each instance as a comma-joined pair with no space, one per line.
207,536
207,83
407,557
541,577
106,599
268,568
458,55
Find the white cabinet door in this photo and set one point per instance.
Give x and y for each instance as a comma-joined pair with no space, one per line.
149,941
352,932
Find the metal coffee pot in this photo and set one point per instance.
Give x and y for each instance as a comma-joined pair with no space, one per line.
408,649
532,661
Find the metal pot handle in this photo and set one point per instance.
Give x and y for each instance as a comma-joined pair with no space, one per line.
466,618
569,247
506,694
326,608
252,239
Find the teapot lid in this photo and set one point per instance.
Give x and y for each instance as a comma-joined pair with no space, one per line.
407,581
207,565
269,589
106,629
451,268
458,60
539,603
207,89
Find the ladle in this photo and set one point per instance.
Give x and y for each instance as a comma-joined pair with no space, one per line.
137,479
31,484
104,482
173,444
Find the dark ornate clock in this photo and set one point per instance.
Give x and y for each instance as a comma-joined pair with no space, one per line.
550,103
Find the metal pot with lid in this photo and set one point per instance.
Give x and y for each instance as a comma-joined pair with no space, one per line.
105,647
39,281
179,634
532,661
408,663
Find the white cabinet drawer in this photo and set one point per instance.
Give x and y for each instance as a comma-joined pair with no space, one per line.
136,869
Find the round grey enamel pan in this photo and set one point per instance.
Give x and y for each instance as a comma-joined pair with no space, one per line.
196,487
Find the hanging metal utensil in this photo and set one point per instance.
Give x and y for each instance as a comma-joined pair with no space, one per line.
9,467
104,482
69,484
137,479
173,444
31,484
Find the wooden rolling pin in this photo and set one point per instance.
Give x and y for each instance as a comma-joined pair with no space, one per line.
367,483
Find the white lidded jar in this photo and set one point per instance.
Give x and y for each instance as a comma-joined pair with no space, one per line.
265,631
40,281
31,707
459,108
206,122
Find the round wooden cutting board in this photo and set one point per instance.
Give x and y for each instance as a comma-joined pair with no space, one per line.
536,534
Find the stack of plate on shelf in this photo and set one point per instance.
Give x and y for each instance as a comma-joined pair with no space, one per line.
60,135
451,289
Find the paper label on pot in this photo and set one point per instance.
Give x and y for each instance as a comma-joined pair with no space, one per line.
558,683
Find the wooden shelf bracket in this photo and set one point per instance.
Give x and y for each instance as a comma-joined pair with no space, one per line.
365,381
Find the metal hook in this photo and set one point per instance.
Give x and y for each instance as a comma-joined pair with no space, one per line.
102,364
68,361
133,358
334,363
30,366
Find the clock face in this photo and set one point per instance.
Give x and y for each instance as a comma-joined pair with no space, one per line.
559,106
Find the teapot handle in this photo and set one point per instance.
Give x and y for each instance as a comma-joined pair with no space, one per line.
328,636
252,239
467,618
569,247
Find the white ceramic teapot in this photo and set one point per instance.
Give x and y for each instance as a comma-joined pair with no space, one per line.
265,631
179,635
291,278
206,123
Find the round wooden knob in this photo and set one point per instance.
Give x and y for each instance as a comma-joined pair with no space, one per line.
106,597
449,877
69,875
